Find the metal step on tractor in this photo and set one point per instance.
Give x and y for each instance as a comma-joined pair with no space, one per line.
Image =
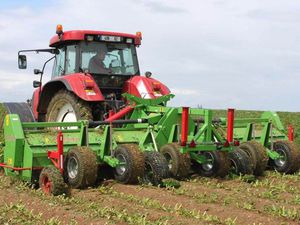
97,111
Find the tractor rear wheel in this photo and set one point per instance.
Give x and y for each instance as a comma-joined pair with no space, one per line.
66,107
288,162
52,182
240,162
179,164
216,165
132,164
258,156
81,167
156,168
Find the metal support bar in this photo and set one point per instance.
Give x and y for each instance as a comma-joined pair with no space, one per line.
19,168
120,114
184,125
291,133
230,121
57,157
98,123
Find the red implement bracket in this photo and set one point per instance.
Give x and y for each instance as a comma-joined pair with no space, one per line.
184,125
230,124
291,133
57,157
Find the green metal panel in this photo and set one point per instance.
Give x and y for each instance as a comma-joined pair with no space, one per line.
14,141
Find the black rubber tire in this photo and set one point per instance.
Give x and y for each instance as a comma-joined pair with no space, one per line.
156,168
179,164
218,167
56,180
291,154
85,172
240,162
258,156
134,166
82,109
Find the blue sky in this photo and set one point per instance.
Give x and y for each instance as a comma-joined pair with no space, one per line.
216,54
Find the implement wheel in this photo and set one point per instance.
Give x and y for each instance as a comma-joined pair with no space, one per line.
240,162
156,168
216,165
258,156
179,164
66,107
132,163
81,167
288,162
51,181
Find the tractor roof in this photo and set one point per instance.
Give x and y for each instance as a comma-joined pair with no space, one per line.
78,35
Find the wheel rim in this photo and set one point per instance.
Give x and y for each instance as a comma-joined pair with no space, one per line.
234,166
72,167
121,169
209,164
149,174
282,159
46,184
66,114
169,161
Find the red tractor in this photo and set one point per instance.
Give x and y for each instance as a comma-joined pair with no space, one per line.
91,71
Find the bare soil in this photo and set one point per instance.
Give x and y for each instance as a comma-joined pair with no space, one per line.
273,199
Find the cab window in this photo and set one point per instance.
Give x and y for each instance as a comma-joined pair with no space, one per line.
59,63
71,59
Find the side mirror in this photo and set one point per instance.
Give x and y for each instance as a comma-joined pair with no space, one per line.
36,84
22,61
37,71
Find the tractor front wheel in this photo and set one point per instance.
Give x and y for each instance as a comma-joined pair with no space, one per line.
156,168
67,107
131,163
288,161
81,167
51,181
179,164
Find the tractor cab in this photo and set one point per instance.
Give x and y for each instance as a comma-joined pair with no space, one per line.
110,58
91,71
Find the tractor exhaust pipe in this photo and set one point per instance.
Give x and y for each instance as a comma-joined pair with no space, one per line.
230,124
184,125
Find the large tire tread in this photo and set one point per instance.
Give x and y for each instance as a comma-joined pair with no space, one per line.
87,173
159,167
82,109
181,163
136,163
58,187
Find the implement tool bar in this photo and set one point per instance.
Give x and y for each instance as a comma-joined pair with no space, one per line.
97,123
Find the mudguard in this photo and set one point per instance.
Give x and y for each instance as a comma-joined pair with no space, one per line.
144,87
82,85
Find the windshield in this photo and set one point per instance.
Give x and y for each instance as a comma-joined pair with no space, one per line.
109,58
